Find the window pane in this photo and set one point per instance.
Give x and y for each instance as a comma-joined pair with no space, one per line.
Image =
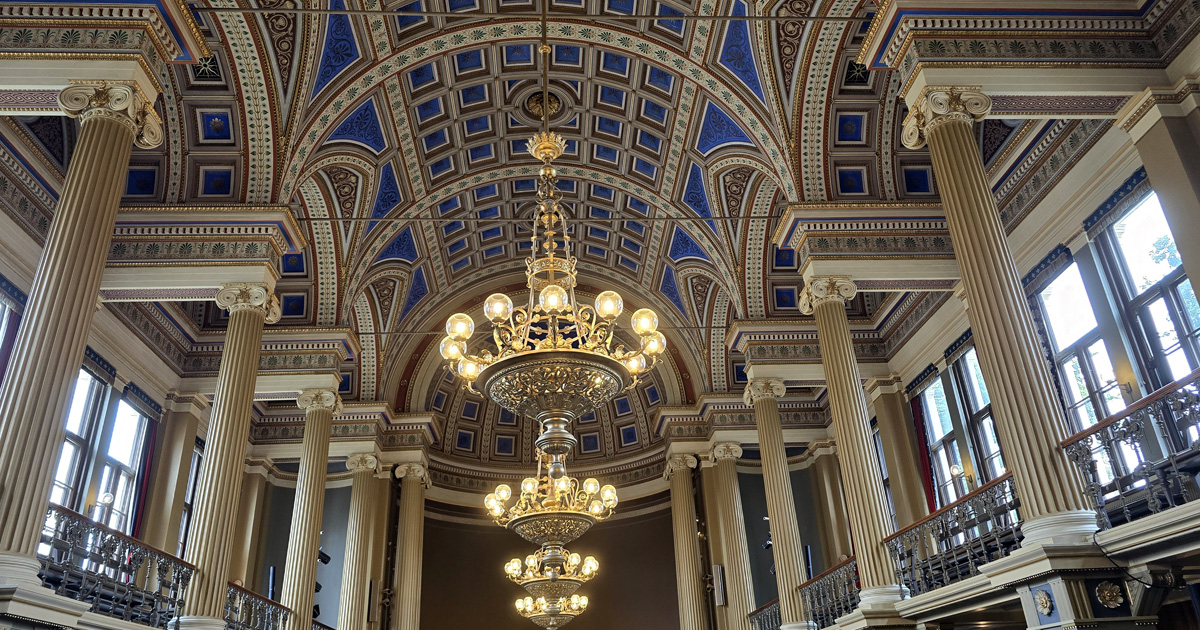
1187,295
79,403
1160,318
1073,381
1146,244
66,462
936,407
1110,393
1067,308
975,379
126,435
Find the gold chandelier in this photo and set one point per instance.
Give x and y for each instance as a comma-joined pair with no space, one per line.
552,613
552,573
551,511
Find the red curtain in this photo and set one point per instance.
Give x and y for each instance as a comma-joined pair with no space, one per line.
918,414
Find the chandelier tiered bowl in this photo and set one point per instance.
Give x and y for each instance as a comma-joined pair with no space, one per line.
552,573
554,359
551,511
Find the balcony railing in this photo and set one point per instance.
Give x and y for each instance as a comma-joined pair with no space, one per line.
831,594
317,625
767,617
247,610
952,543
1146,458
118,576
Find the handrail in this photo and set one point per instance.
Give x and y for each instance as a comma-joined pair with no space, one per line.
827,572
317,625
763,607
127,538
1151,398
245,592
950,506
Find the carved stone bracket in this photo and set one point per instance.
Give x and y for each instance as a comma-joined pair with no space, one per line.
235,297
822,289
310,399
938,105
761,388
676,463
121,102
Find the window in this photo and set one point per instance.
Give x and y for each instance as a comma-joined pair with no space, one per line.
1158,301
122,458
887,485
189,496
977,408
1088,380
943,444
87,406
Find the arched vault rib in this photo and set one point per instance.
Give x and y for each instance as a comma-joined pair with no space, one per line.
747,113
385,232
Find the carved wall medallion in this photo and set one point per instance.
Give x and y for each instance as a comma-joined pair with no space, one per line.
1043,602
1109,594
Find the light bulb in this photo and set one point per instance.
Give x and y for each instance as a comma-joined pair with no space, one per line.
553,299
468,369
531,560
596,507
609,304
452,349
489,501
583,601
529,486
608,493
635,364
563,484
497,307
645,321
573,559
654,344
591,486
460,326
503,492
520,605
498,511
575,600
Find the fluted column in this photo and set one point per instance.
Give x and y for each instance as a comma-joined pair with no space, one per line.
352,611
300,568
58,315
866,505
739,592
407,608
763,394
835,527
216,504
1029,418
689,580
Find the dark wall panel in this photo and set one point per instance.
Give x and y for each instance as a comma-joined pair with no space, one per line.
464,584
754,507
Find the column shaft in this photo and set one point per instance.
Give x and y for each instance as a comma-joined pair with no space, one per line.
356,575
790,570
58,315
300,567
244,563
738,590
866,505
827,486
1029,419
407,609
216,505
689,580
170,465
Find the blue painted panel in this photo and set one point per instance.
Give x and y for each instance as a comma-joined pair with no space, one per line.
340,47
440,166
478,125
675,26
645,168
649,140
422,75
507,417
215,126
918,181
483,192
620,6
518,54
429,109
493,251
490,233
851,127
292,305
629,435
465,440
405,21
505,445
605,153
141,181
567,55
785,257
417,290
652,395
718,129
403,247
388,196
613,62
293,263
435,139
480,153
684,246
217,182
590,442
654,111
785,297
362,126
439,400
851,181
626,262
473,94
612,96
608,125
695,196
668,288
660,78
623,405
737,53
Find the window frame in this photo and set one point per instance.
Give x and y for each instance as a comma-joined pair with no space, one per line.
975,414
877,440
112,471
92,422
189,496
950,442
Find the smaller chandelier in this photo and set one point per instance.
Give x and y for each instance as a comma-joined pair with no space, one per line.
552,573
551,511
552,613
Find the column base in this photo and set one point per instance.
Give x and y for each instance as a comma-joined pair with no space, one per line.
880,615
1062,528
881,596
21,571
23,596
192,622
803,625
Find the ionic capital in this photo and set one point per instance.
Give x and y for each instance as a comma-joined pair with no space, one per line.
821,289
362,462
416,471
676,463
121,102
726,450
761,388
236,297
314,399
938,105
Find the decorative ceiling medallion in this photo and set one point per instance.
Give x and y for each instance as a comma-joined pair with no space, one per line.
1109,594
1043,602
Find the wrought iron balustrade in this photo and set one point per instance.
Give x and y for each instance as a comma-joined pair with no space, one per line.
317,625
1146,458
767,617
247,610
831,594
118,576
952,543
